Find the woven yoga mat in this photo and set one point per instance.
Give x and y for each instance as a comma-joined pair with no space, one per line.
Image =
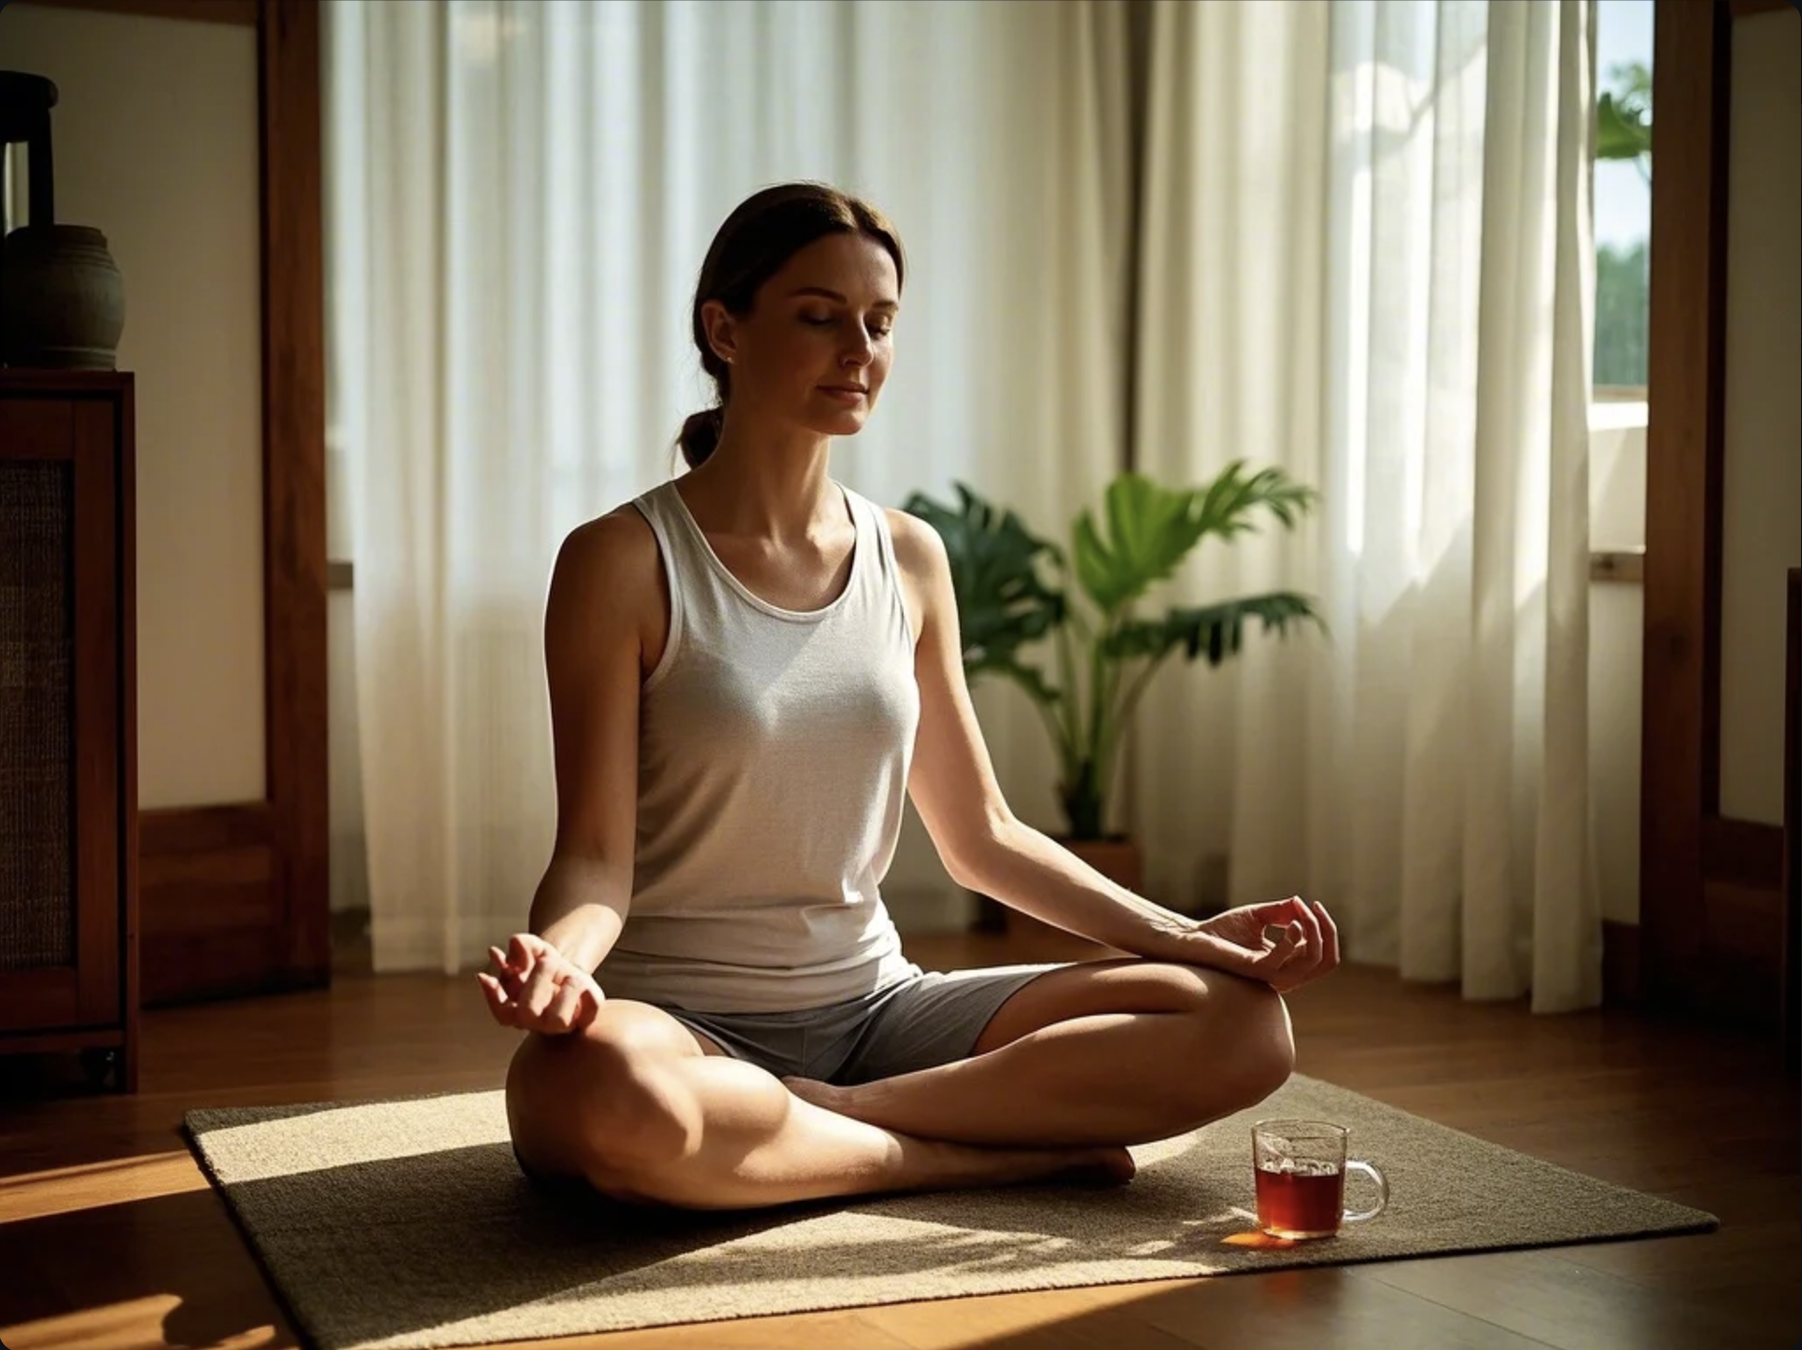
406,1223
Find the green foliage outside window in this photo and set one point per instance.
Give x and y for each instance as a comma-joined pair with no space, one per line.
1623,275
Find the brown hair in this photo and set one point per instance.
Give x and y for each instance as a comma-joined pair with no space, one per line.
763,232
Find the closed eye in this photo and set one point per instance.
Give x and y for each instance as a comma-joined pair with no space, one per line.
877,330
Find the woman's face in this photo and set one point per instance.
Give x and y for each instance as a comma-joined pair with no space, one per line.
816,347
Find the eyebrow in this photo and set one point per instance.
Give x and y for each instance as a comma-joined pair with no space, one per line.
825,294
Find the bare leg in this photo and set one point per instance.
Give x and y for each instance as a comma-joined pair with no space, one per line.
1105,1077
647,1123
760,1145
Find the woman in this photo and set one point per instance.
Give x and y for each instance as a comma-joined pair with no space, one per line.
749,667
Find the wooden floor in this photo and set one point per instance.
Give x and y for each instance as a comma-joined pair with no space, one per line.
111,1239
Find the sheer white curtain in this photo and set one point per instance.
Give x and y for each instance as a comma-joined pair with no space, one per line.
1368,259
519,196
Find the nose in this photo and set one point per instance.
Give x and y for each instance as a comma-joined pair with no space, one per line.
860,350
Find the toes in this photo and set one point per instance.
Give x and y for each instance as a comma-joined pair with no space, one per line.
1121,1165
1101,1167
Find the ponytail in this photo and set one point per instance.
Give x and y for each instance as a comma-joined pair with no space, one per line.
700,435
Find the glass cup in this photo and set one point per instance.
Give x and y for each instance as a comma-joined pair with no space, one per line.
1301,1167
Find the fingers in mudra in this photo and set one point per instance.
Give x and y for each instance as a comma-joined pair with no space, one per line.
500,1002
506,986
574,1006
1306,946
534,991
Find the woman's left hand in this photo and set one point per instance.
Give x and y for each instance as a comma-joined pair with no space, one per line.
1306,949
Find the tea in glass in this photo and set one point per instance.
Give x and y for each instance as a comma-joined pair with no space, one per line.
1300,1167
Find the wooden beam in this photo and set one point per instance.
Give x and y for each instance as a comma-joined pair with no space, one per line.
1680,714
294,571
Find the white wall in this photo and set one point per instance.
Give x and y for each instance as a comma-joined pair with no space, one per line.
1761,533
1617,503
155,141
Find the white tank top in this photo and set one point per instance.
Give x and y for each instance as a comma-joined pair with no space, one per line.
774,749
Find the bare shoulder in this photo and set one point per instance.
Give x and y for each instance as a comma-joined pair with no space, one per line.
925,572
918,548
607,565
616,549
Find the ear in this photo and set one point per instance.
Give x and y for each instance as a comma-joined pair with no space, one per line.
721,329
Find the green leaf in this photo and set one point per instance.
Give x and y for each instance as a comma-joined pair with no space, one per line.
1211,631
1618,136
1624,114
1003,603
1029,678
1227,504
1151,529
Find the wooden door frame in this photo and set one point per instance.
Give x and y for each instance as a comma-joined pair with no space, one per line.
234,898
1711,897
294,527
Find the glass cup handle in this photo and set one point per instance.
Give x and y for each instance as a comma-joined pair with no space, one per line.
1382,1192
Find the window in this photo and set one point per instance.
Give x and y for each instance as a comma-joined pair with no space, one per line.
1623,195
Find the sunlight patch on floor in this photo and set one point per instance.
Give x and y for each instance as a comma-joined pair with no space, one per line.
135,1324
64,1190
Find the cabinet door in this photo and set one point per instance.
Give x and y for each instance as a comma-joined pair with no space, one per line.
61,882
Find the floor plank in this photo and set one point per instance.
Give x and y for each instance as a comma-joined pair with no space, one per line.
111,1239
1309,1309
1563,1304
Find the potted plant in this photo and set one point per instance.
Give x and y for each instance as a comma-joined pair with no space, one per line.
1016,590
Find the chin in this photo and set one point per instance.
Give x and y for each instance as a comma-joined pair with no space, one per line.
847,423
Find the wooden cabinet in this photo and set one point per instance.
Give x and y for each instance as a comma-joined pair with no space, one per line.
68,682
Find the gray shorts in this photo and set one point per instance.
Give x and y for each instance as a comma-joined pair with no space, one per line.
930,1018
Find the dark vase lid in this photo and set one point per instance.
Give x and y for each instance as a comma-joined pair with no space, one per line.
24,98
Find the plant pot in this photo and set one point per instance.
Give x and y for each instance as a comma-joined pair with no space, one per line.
62,300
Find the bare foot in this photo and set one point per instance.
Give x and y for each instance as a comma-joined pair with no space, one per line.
1110,1164
959,1166
1106,1163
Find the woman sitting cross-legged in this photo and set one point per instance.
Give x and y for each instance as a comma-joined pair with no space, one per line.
750,669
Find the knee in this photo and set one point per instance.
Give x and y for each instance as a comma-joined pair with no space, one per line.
601,1103
634,1106
1248,1043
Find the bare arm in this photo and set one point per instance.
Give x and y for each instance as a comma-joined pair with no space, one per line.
603,592
605,606
981,842
987,848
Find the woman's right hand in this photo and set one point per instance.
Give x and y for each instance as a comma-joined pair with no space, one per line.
534,987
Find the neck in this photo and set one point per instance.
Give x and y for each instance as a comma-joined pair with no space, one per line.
761,481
